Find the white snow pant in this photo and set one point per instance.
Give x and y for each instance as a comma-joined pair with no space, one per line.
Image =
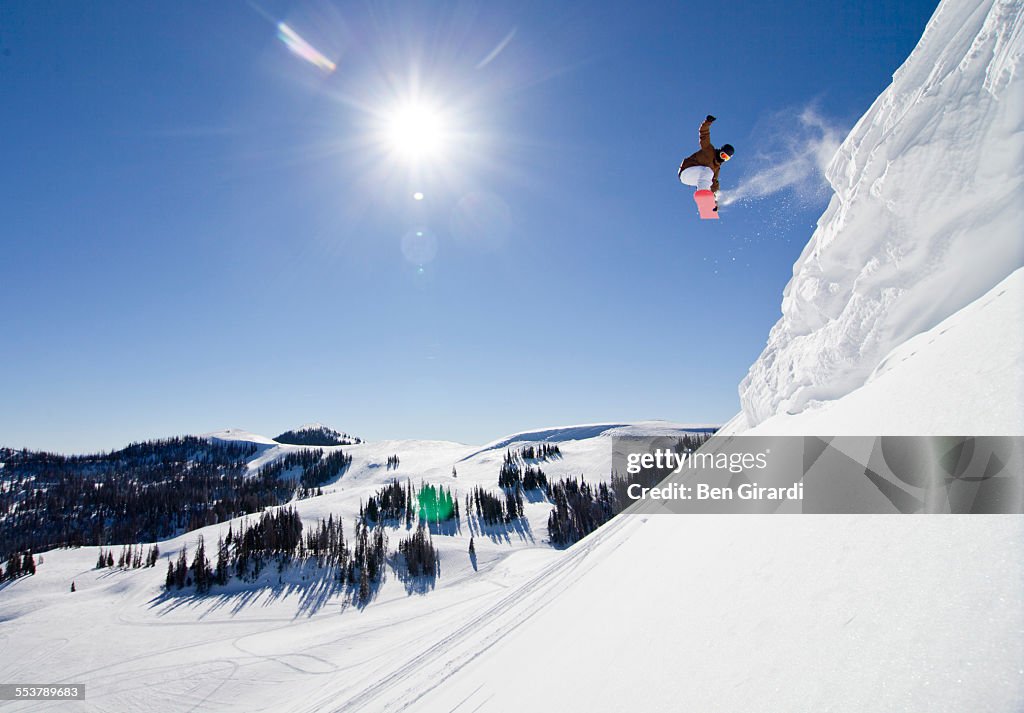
700,176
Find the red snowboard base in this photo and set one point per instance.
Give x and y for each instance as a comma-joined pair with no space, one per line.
706,204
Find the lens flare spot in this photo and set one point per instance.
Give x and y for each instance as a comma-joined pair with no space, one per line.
417,196
419,247
300,48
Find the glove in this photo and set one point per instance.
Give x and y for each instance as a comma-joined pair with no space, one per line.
710,119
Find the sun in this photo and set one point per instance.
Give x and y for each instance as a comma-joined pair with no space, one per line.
416,131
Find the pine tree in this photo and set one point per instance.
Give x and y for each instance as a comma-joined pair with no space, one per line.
222,562
201,567
72,585
13,567
364,586
171,578
181,569
472,548
28,564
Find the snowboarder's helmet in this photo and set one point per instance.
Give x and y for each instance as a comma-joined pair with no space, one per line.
726,152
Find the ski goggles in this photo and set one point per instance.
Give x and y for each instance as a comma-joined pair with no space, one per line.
724,156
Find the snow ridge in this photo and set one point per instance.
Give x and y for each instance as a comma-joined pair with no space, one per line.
925,218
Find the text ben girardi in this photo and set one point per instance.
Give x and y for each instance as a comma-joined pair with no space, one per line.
705,491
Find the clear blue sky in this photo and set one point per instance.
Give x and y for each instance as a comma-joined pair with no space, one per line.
202,230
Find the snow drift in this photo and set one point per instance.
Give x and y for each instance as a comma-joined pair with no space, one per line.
964,376
926,216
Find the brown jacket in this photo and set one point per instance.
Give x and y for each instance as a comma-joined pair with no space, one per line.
707,156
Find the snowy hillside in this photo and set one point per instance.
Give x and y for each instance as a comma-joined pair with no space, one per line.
287,639
739,613
238,434
926,216
963,376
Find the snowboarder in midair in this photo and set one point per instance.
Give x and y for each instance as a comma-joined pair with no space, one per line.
701,168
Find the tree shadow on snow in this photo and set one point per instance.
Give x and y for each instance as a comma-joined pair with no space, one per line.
414,584
502,532
314,586
445,527
535,495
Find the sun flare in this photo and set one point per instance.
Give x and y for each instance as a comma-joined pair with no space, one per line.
416,131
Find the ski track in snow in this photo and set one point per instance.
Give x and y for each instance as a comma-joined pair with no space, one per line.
525,597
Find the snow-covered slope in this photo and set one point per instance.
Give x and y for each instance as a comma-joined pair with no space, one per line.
592,430
753,613
964,376
238,434
927,214
292,641
782,613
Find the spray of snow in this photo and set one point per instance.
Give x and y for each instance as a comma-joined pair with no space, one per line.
793,153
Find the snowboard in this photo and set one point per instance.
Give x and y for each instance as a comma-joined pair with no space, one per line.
706,204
